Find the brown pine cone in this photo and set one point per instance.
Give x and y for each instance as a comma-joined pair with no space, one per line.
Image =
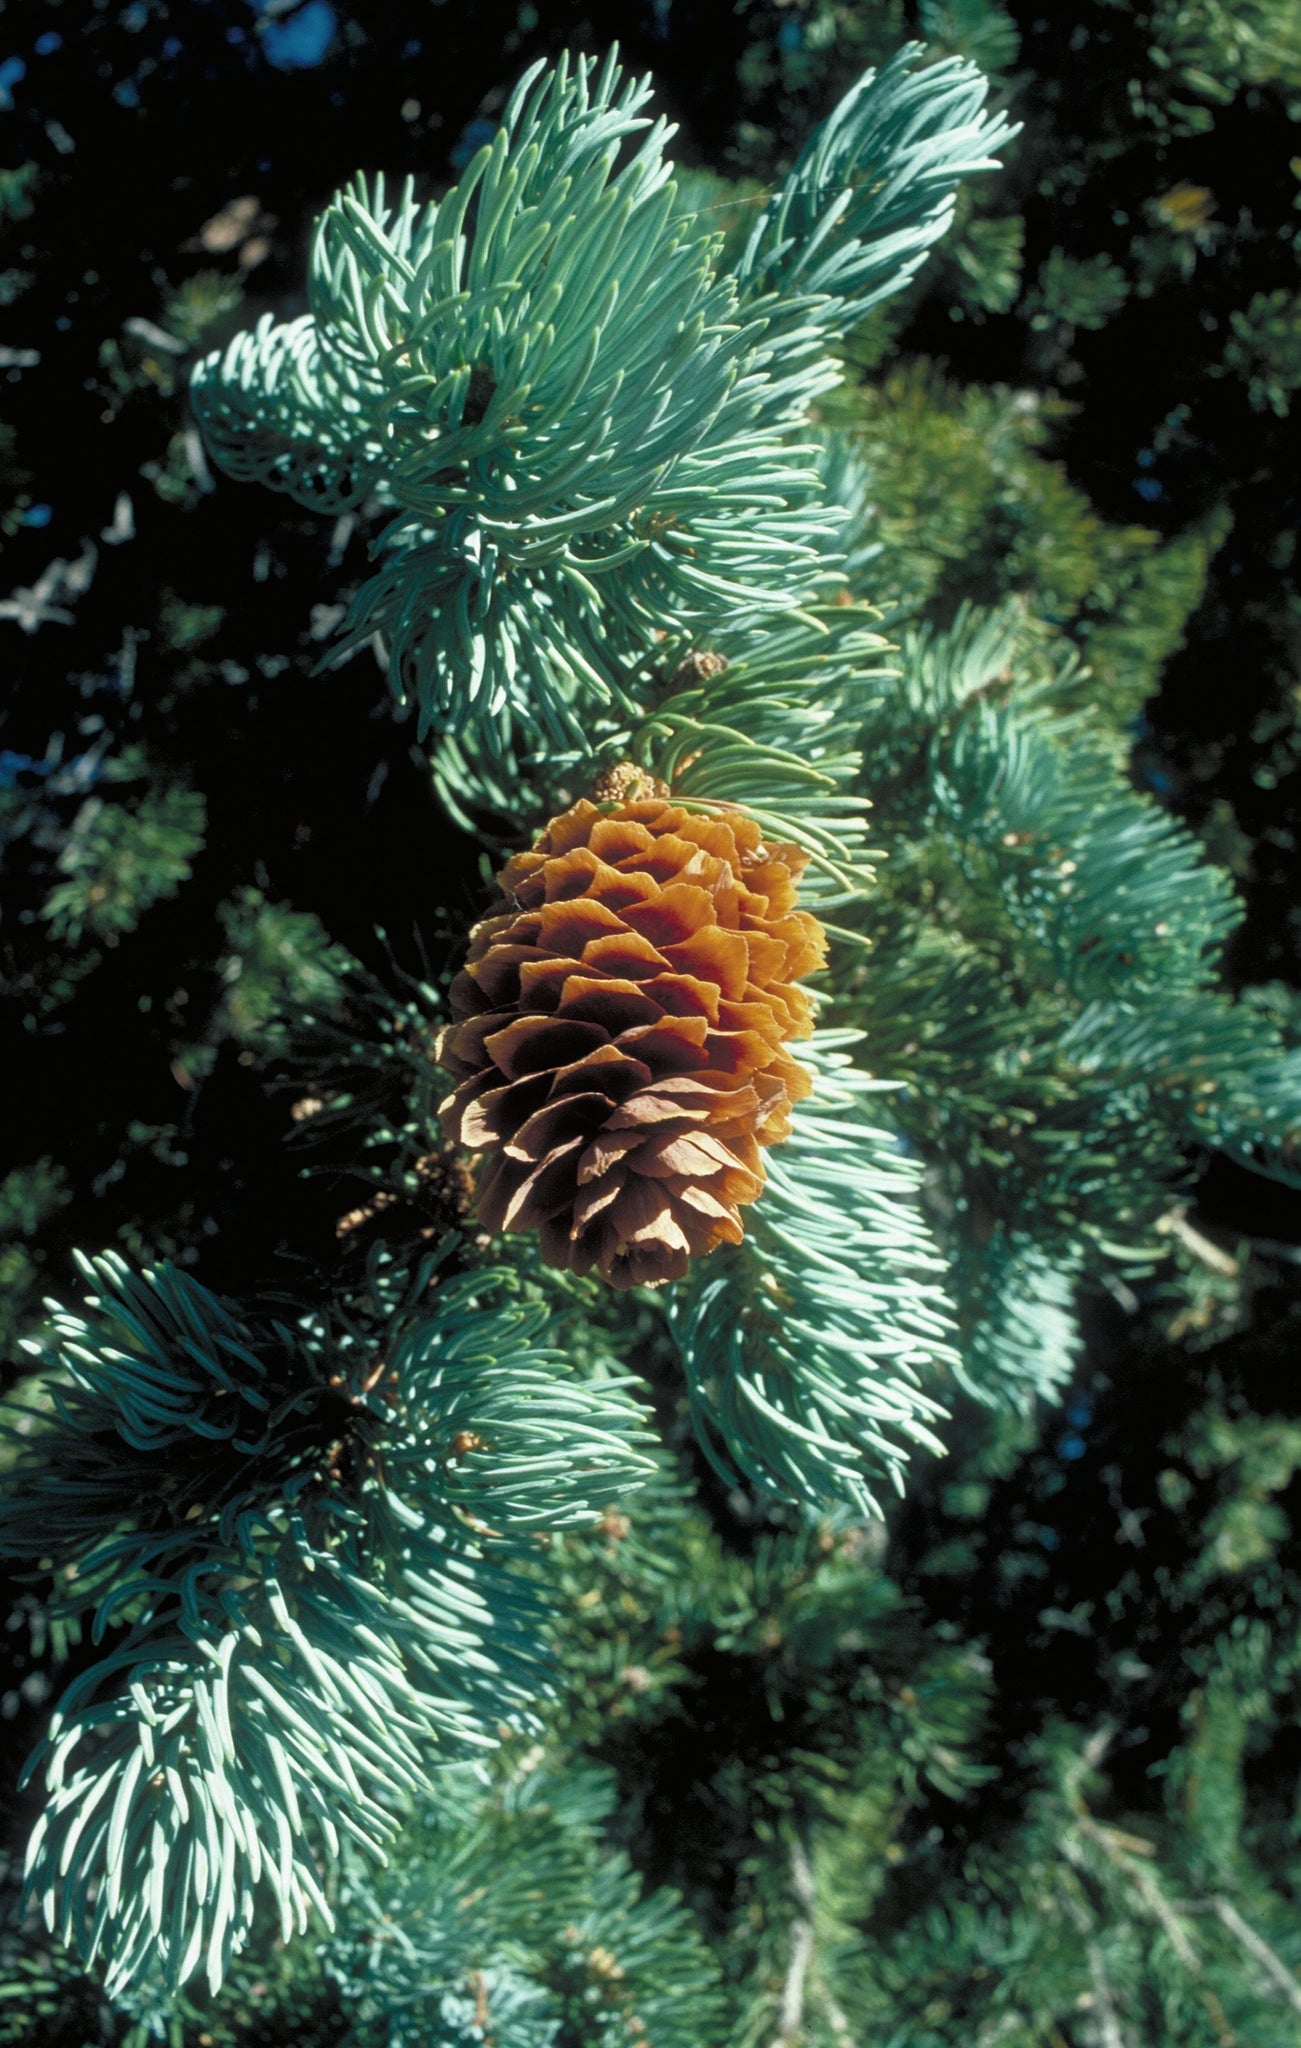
618,1035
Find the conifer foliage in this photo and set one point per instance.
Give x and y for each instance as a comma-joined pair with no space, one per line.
313,1554
584,429
311,1601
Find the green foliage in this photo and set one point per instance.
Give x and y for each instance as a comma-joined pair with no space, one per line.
504,1920
153,356
1073,1044
776,730
1265,350
960,501
271,1992
1019,1339
1077,292
29,1197
277,959
1092,1922
16,200
980,30
724,207
783,76
1160,1895
1142,205
120,859
871,191
809,1350
199,303
1217,49
187,625
988,260
798,1712
1148,599
310,1593
573,453
583,434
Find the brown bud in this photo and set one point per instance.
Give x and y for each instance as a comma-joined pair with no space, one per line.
696,668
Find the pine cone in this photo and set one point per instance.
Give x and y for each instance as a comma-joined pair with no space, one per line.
619,1034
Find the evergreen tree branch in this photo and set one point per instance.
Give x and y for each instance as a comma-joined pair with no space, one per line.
307,1596
1259,1950
584,438
873,190
809,1351
790,2017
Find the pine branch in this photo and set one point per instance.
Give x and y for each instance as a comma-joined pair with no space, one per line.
309,1557
1104,2005
809,1352
790,2018
1260,1951
585,440
1020,1340
507,1916
775,729
1074,1047
872,190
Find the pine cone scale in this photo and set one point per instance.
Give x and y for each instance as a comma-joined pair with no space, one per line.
570,927
617,1004
611,1068
670,1099
579,872
499,974
534,1045
518,1196
571,1116
713,955
681,995
606,1152
624,953
619,1034
674,1045
482,1118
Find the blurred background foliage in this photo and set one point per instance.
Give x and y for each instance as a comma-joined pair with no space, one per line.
1022,1768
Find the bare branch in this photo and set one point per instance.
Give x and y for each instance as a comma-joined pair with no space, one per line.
790,2019
1273,1965
1109,2034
